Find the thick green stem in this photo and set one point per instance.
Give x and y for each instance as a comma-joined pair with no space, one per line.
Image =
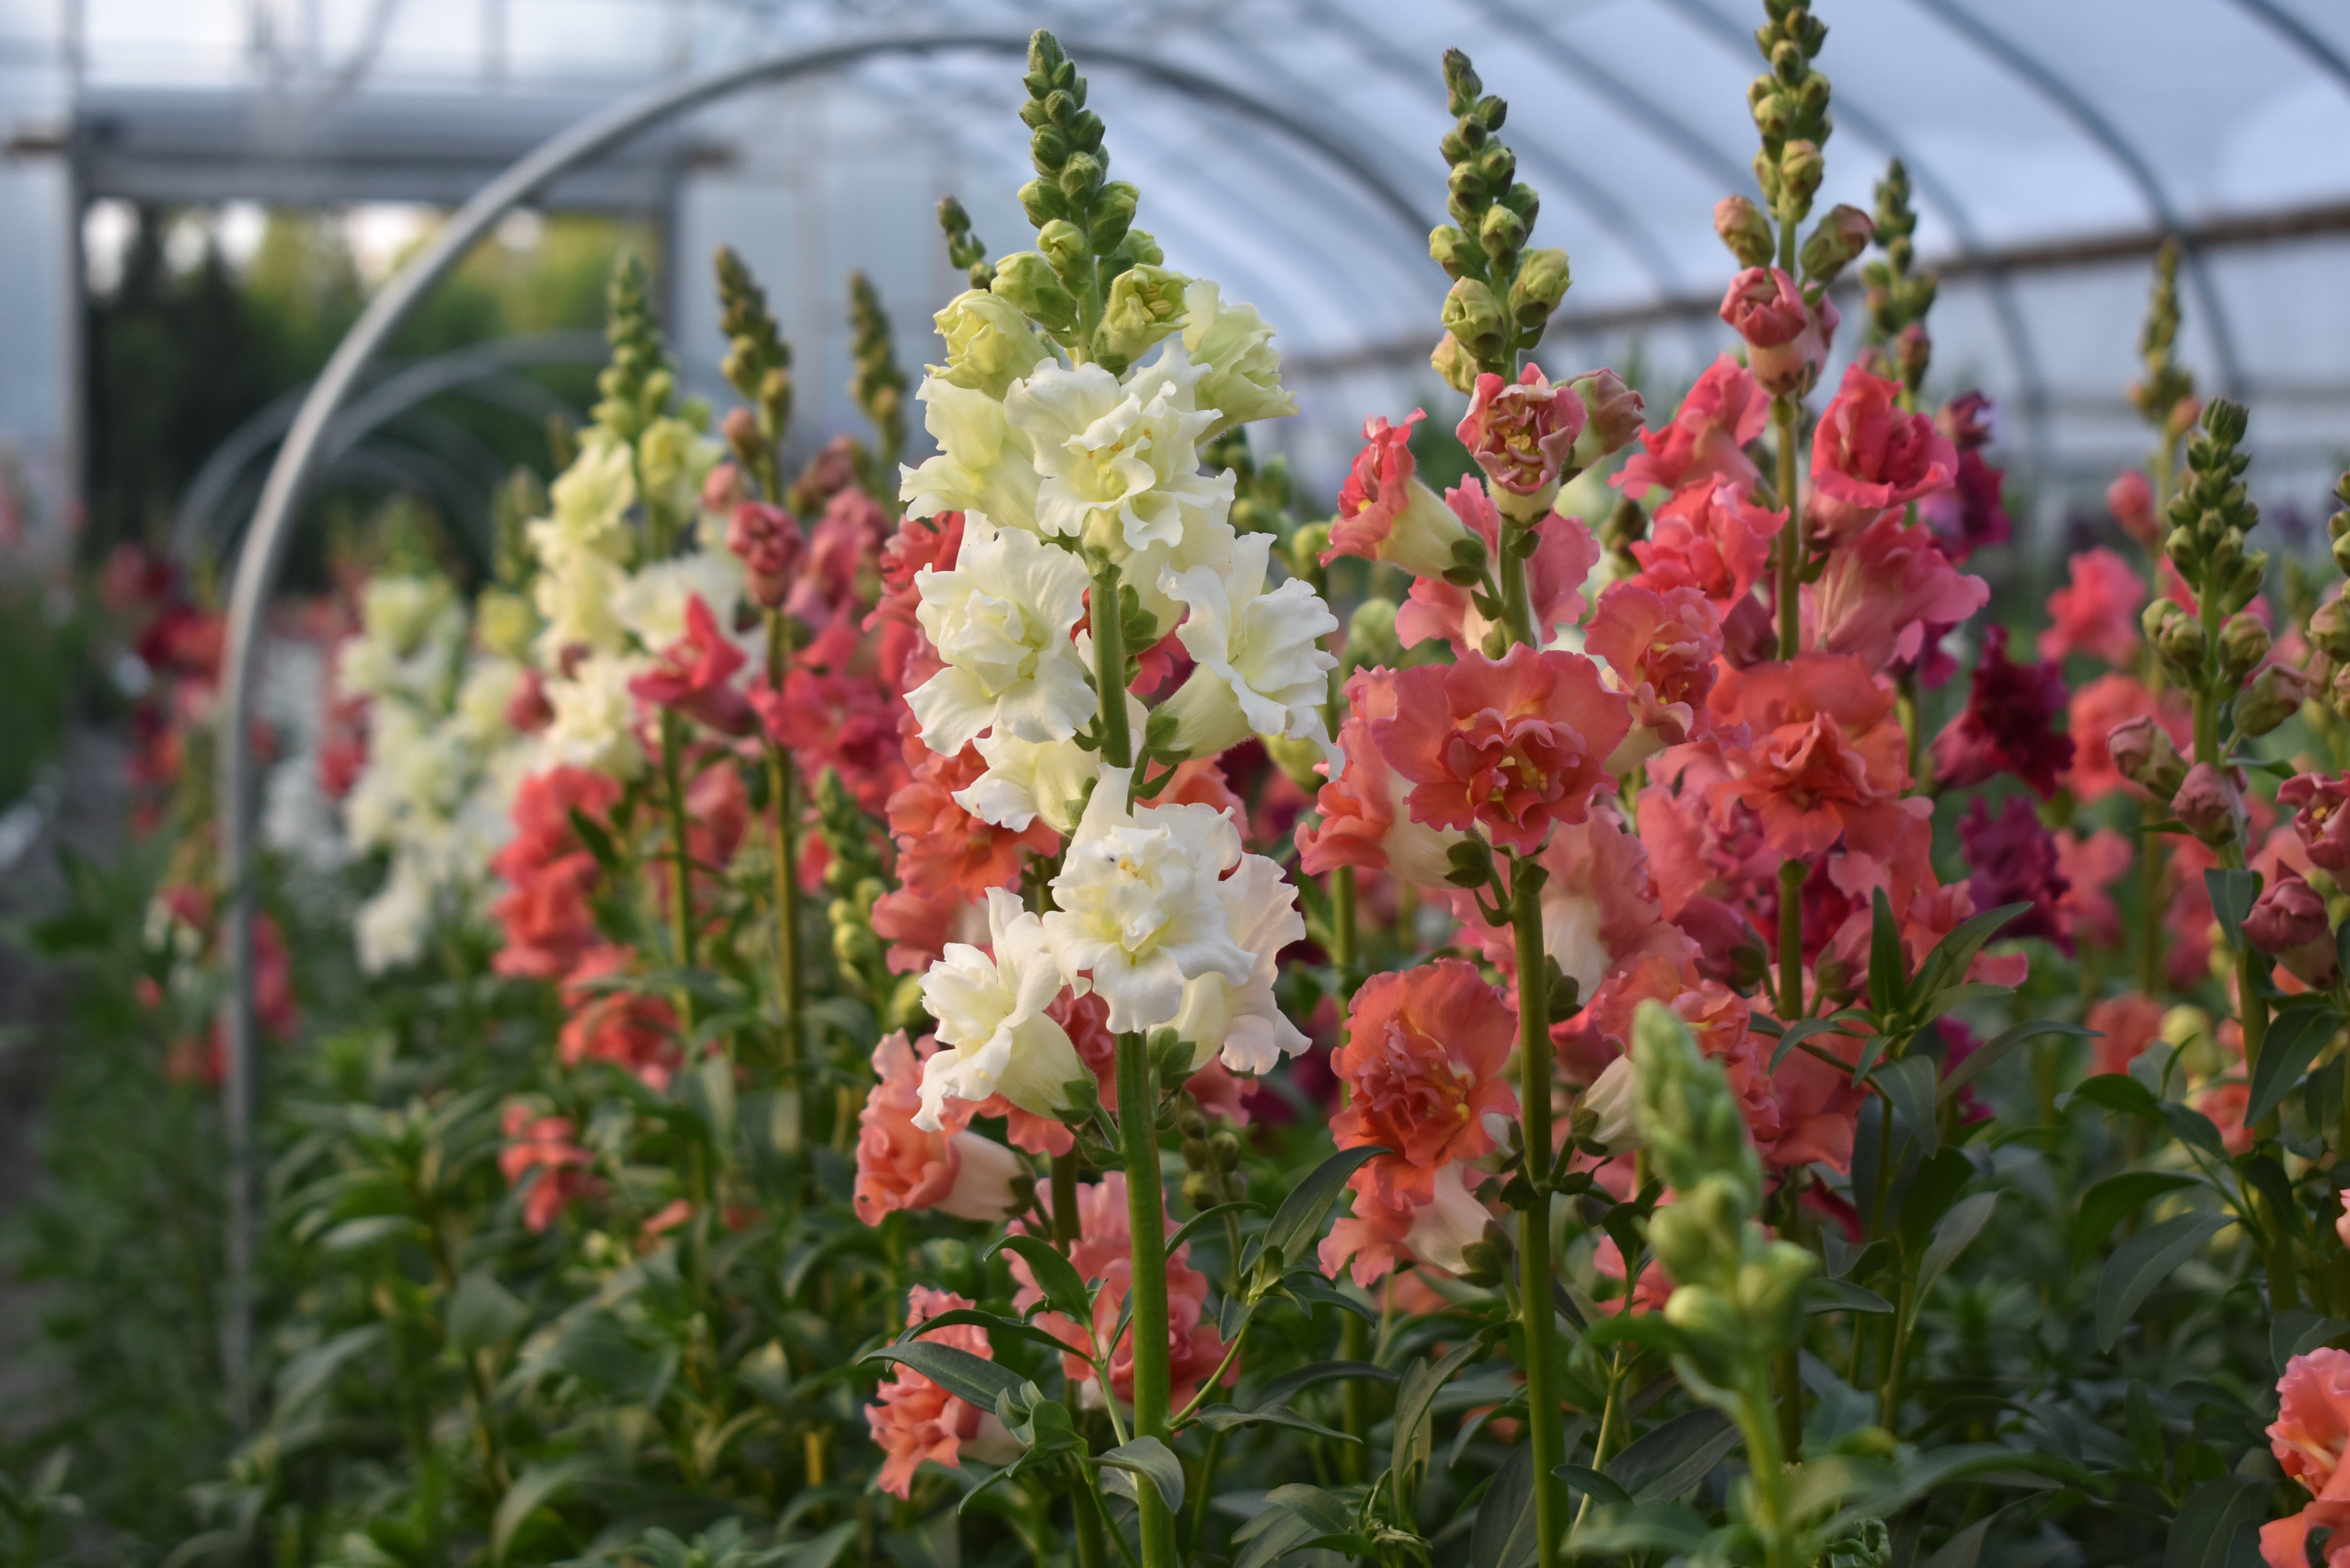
680,900
1536,1312
1760,1424
1788,588
1791,940
1146,1204
1517,598
1108,629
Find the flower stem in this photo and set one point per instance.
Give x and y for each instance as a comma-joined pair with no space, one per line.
1146,1205
1788,589
784,860
681,902
1109,629
1517,597
1791,940
1535,1308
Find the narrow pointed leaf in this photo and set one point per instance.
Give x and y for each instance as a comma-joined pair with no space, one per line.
2144,1261
2295,1036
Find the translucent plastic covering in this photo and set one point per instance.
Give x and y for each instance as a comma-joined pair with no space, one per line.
2050,146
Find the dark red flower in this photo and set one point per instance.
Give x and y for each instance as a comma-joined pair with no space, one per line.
2014,861
2006,727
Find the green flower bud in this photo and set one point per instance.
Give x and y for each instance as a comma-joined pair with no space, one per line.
990,344
2329,631
1544,278
1837,238
1708,1319
1473,316
1026,281
1145,304
2272,697
1455,364
1449,248
1064,244
1371,635
1503,234
1744,229
1113,215
2243,643
1801,169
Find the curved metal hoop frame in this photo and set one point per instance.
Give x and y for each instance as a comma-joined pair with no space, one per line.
262,558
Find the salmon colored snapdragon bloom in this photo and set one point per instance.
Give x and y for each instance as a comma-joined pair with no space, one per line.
1386,513
1787,338
1661,648
1888,594
1710,536
546,912
1825,755
1521,432
1707,438
1366,821
1508,746
918,1419
1386,1231
2095,613
627,1029
2309,1437
1424,1065
1869,458
900,1165
941,845
695,675
544,1144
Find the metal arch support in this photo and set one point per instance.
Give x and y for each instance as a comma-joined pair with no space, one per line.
388,398
2304,38
2070,102
1939,193
262,556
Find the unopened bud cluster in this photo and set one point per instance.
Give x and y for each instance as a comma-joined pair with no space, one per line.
2209,519
1739,1294
964,248
757,365
1211,1159
1789,102
635,386
876,382
1503,293
1899,297
2166,393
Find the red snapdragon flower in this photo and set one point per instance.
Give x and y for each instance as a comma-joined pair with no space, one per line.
1508,746
2006,725
2319,821
769,542
2015,861
1869,458
544,1144
695,675
625,1028
941,847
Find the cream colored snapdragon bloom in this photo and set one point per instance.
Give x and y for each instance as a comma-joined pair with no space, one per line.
982,464
1244,1024
595,723
1260,665
1118,462
1241,375
1002,618
995,1035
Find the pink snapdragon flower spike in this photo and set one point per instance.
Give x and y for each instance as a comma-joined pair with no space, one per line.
1787,340
2309,1437
2006,727
1521,433
769,541
1707,438
1423,1062
1868,458
2130,498
1505,746
2095,613
1386,513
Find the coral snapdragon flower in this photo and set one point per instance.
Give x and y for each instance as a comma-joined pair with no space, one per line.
1386,513
900,1165
1521,432
626,1028
1787,339
1708,537
1869,458
544,1144
2096,612
1509,745
918,1419
2309,1437
1825,755
1365,820
1707,438
1662,649
1423,1059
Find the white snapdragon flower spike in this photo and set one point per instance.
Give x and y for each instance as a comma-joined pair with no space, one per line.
995,1035
1140,905
1261,664
982,464
574,597
1119,462
411,635
1242,1021
1241,378
390,929
483,698
675,458
595,723
588,510
1001,620
1026,780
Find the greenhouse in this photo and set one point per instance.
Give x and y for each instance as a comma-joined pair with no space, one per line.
1453,785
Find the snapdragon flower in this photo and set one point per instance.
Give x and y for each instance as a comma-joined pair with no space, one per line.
1117,463
1241,372
1261,666
1244,1024
982,464
1002,618
993,1032
595,717
1140,908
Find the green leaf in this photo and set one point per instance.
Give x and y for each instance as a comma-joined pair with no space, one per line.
311,1371
484,1313
1955,953
1825,1294
1667,1461
1671,1528
2233,894
1963,1550
993,1323
2144,1261
2292,1334
1299,1218
1287,1387
598,842
357,1235
1192,1227
1908,1084
1225,1417
1597,1485
2295,1036
1956,1231
2191,1126
1064,1289
596,1349
536,1487
2120,1092
1148,1457
1416,1396
974,1379
1795,1034
1504,1534
2115,1199
1294,1516
2218,1515
1888,978
819,1550
1987,1056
